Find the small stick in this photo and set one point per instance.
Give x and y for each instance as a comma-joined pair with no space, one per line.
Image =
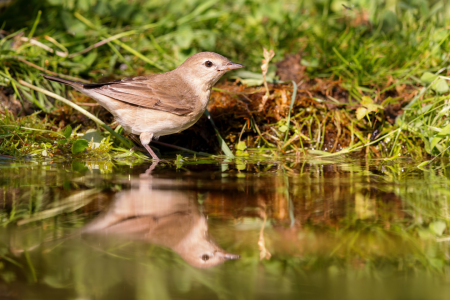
102,42
180,148
50,72
268,55
43,46
87,104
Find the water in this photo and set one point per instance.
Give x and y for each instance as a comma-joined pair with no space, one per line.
214,229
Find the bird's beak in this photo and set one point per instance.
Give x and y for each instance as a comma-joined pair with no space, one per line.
230,66
227,256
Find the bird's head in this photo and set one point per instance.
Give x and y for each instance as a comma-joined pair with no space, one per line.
197,249
210,259
205,254
206,68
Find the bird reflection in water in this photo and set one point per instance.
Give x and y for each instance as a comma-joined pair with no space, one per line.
164,216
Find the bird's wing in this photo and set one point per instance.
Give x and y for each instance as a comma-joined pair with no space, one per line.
157,92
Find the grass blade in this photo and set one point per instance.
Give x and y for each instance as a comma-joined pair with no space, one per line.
225,149
288,122
125,141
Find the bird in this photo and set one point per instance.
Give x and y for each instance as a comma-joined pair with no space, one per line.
159,104
151,213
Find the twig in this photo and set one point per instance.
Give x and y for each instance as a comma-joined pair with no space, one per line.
43,46
268,55
50,72
180,148
443,239
103,42
86,104
263,252
291,140
56,43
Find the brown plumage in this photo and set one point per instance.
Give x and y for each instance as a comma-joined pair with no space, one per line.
160,104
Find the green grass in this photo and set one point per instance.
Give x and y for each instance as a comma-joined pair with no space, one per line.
374,50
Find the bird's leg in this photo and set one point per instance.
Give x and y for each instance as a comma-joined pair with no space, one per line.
148,172
137,141
146,138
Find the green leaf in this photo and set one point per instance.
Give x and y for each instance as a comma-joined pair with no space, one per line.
93,135
251,78
312,63
438,137
389,100
79,146
73,26
240,165
434,142
361,113
425,234
438,227
424,163
79,166
67,131
89,59
179,161
241,146
366,101
184,37
428,77
440,86
445,131
283,128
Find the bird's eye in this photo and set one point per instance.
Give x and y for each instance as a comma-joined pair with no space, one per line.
208,64
205,257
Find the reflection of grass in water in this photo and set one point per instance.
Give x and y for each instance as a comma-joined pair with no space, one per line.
373,219
370,240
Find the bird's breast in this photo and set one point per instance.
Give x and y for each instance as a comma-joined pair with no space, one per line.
202,101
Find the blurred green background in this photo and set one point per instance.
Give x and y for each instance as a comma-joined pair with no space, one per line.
363,40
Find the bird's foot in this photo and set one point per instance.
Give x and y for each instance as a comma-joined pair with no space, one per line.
148,172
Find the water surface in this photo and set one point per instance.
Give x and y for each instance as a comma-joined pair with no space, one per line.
215,229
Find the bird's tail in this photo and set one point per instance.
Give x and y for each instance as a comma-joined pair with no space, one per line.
64,81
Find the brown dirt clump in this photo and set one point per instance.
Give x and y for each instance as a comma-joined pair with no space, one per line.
323,112
8,102
291,68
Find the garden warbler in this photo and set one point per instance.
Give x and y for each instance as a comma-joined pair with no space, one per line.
155,105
